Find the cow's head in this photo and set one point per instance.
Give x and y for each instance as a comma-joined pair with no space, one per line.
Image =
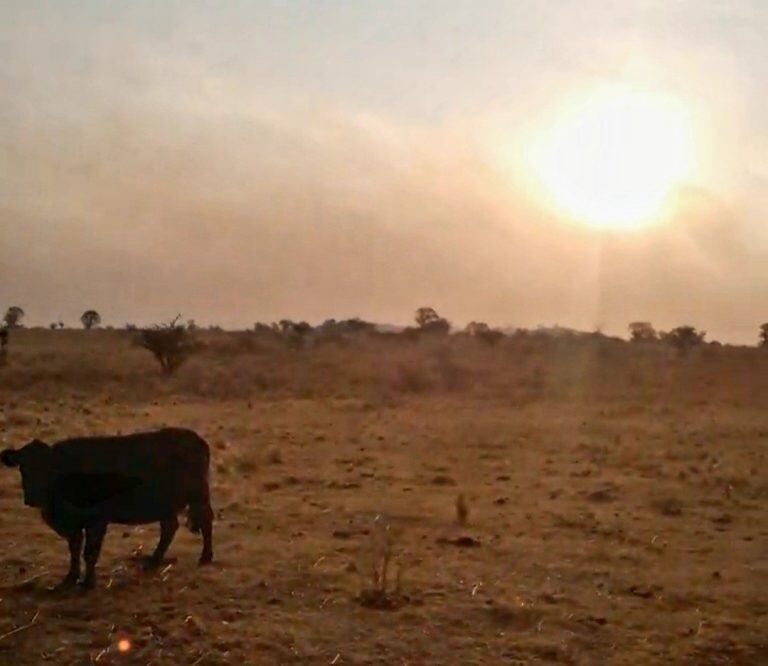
33,460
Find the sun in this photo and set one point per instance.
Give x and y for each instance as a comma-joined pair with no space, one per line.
613,158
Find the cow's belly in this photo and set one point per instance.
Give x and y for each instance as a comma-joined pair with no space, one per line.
81,500
137,516
65,520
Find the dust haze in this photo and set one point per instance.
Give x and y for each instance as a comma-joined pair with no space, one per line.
143,183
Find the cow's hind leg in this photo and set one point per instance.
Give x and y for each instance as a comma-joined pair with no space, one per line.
94,537
168,529
75,542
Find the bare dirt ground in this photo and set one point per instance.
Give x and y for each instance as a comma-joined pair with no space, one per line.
603,527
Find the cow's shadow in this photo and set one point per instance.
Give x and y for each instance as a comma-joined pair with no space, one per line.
125,578
136,570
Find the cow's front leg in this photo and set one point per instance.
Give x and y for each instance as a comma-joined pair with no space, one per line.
75,542
168,529
94,536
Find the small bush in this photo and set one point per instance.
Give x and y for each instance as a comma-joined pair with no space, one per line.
171,344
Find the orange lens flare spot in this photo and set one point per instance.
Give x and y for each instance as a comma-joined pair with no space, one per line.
123,645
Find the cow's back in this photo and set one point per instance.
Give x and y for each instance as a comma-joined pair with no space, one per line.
146,454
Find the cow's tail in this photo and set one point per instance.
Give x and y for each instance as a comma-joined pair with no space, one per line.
199,506
200,513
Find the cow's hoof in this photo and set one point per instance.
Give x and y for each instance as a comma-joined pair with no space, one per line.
87,584
65,585
205,559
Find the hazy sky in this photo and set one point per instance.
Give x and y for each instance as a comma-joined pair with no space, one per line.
246,161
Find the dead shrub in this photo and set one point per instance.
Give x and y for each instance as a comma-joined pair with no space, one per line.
171,344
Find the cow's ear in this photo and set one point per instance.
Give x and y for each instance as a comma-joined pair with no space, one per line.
10,457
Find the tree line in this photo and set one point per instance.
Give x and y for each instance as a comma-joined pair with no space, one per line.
172,343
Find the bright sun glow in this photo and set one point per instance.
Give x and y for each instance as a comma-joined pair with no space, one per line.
613,158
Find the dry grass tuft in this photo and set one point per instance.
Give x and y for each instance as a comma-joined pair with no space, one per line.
669,506
462,510
381,592
274,456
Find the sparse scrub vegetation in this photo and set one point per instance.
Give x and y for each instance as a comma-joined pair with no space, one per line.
410,379
525,366
556,437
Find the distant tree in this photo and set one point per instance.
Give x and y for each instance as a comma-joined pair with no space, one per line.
89,319
411,333
357,325
492,337
685,338
354,325
483,332
425,316
642,331
294,333
438,327
430,322
264,329
476,328
764,335
288,327
53,326
191,325
171,344
130,327
13,316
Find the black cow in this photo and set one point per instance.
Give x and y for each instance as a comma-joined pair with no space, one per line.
81,485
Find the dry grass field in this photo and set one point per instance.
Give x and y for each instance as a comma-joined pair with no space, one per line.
614,500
